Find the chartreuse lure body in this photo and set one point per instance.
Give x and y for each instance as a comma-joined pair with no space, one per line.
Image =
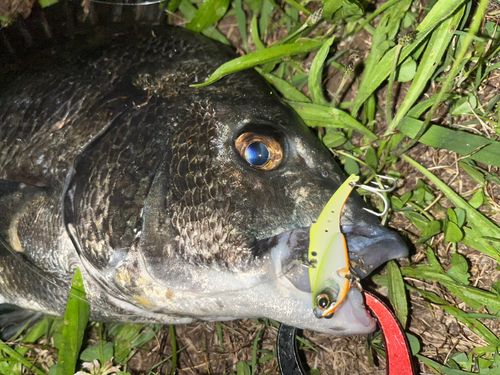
328,252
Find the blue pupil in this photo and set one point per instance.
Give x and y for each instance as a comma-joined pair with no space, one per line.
257,154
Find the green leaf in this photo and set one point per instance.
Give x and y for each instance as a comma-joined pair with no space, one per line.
335,139
346,10
316,73
47,3
242,368
414,343
477,199
473,172
351,167
287,90
320,115
465,105
93,352
431,229
261,57
406,71
241,19
75,320
459,269
453,233
482,149
397,292
418,220
371,158
209,13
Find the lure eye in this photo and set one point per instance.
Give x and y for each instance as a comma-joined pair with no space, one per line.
260,151
322,301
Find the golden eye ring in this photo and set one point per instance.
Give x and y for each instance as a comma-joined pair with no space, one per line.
322,301
262,152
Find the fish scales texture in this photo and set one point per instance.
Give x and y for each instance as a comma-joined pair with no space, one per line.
110,162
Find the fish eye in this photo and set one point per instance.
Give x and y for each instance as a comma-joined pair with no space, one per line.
262,152
322,301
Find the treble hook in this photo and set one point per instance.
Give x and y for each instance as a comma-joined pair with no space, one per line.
378,191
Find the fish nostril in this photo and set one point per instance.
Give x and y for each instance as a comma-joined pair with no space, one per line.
325,174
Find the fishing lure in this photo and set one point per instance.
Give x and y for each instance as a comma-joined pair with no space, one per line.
327,247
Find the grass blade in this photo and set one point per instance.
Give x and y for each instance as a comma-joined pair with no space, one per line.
18,357
287,90
75,320
319,115
442,10
316,74
397,292
438,43
479,148
209,13
261,57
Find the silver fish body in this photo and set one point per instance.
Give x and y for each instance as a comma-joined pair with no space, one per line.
110,162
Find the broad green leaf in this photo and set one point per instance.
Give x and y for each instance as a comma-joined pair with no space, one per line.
242,368
453,233
397,292
261,57
414,343
319,115
209,13
254,31
459,269
477,199
266,14
481,149
335,139
465,105
418,220
351,167
94,352
452,216
406,71
316,73
75,320
431,229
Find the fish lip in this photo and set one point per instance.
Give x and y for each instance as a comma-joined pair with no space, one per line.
371,246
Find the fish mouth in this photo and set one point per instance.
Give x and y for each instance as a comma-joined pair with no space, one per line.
369,246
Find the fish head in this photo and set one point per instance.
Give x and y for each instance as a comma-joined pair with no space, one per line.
198,203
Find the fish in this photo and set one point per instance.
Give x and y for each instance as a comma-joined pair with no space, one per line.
177,204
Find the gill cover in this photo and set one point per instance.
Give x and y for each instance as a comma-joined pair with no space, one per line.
328,254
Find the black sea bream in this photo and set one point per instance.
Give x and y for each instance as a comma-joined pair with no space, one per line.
177,203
